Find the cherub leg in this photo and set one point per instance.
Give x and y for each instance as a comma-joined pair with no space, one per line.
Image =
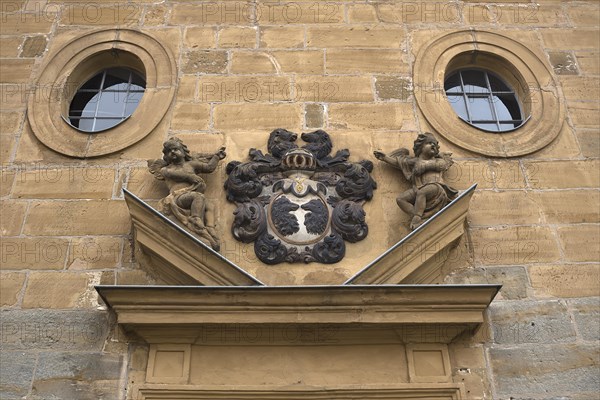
425,194
406,201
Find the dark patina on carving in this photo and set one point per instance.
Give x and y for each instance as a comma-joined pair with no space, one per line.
299,204
428,193
186,201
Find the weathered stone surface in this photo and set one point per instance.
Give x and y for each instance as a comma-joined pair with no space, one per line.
34,46
531,322
574,280
58,183
282,37
245,62
15,70
205,61
239,37
512,279
563,63
365,61
589,141
355,36
98,252
74,330
541,371
34,253
563,174
300,62
78,376
11,285
243,116
190,117
587,317
393,88
557,206
12,214
55,290
200,37
314,115
9,46
589,62
580,243
372,116
491,208
17,372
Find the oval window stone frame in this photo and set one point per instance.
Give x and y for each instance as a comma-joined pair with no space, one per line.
74,60
502,55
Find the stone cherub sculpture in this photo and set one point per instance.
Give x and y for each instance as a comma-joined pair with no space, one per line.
428,193
186,201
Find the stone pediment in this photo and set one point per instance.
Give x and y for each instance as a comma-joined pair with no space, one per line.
178,257
175,255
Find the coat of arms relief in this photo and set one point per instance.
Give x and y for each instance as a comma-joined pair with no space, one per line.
299,203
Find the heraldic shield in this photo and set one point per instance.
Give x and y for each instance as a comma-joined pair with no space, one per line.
299,204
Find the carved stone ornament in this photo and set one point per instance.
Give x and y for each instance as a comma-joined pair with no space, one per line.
299,204
428,194
186,201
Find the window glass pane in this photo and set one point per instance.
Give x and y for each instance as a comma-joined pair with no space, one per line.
458,104
508,126
474,81
138,81
480,109
102,124
452,84
93,83
111,105
85,124
497,85
510,104
488,127
131,103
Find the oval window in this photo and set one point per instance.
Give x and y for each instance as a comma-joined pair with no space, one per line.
483,100
106,100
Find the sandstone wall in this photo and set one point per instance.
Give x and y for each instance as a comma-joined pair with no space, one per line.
245,68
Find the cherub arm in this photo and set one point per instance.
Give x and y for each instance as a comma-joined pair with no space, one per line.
208,164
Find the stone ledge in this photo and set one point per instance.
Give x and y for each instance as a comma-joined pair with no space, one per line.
177,256
419,257
156,313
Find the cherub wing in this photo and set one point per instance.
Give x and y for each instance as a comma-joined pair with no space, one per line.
154,166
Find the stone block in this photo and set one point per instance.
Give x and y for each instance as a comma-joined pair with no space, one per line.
65,183
355,36
34,46
514,245
99,252
7,177
393,88
589,62
512,279
213,13
531,322
12,214
300,62
362,13
518,15
580,88
282,37
34,253
314,115
506,175
78,376
93,217
187,88
97,15
205,61
15,71
237,37
504,208
45,330
330,89
155,15
576,280
11,285
464,173
587,317
563,174
397,116
580,242
17,373
24,23
10,46
257,116
275,13
561,371
190,117
245,62
563,63
365,61
11,122
439,13
569,206
584,15
200,37
244,89
572,39
584,115
589,141
55,290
